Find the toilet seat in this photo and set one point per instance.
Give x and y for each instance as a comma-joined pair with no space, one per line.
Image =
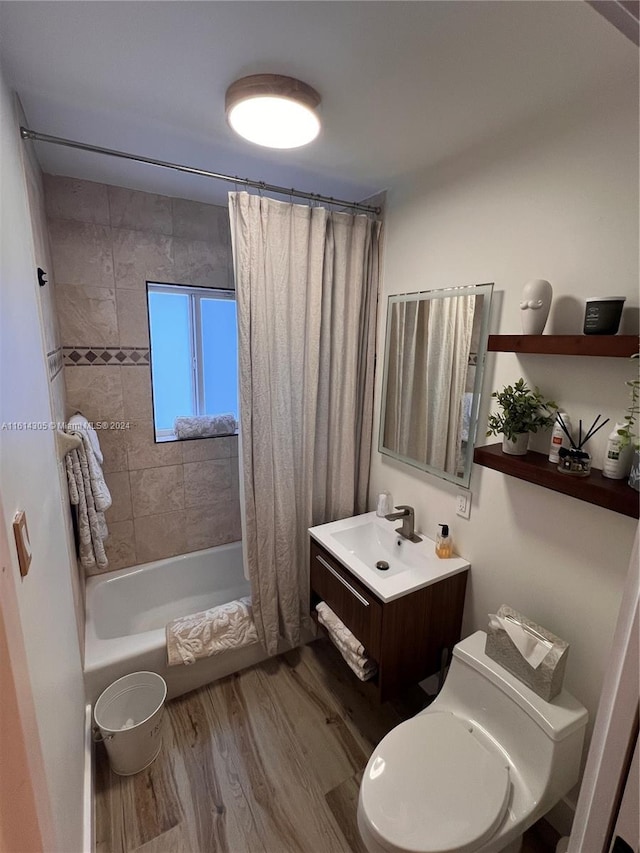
432,787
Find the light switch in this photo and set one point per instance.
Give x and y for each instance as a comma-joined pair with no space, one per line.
23,545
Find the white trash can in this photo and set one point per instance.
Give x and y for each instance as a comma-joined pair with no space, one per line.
129,716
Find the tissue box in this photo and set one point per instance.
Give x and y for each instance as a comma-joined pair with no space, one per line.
547,679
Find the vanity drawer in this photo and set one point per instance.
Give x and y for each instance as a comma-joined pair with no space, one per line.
349,599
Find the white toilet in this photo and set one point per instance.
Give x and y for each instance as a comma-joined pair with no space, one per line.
474,770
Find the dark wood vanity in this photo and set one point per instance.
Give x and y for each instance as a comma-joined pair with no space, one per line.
405,636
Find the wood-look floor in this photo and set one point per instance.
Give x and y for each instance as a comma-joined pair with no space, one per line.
268,760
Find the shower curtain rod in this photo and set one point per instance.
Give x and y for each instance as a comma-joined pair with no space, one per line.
245,182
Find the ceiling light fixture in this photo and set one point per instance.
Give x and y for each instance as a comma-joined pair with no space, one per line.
272,110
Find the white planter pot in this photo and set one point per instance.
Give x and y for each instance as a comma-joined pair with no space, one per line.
517,447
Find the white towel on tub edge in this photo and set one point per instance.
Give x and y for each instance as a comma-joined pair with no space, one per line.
200,635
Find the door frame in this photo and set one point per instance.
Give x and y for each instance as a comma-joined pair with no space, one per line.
615,730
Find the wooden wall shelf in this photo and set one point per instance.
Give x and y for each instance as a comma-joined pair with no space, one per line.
609,346
615,495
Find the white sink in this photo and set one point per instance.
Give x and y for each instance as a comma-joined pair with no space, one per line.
371,543
362,541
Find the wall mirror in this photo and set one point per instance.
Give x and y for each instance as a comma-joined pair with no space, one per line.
434,355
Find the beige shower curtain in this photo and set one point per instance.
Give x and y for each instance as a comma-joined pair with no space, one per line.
306,290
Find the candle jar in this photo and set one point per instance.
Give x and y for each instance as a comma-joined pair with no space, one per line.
576,463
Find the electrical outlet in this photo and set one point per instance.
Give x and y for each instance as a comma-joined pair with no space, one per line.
463,504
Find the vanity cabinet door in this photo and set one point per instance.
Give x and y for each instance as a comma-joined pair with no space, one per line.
350,600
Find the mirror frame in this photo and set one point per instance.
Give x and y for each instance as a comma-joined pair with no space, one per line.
485,290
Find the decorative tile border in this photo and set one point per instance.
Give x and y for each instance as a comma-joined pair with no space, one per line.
54,363
92,356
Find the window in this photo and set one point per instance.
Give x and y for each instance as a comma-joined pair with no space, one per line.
194,353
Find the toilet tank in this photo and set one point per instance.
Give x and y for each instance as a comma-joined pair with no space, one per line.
544,737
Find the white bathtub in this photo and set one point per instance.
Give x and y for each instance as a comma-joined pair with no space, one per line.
127,612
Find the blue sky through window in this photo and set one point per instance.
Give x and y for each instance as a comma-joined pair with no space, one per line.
169,320
194,353
220,356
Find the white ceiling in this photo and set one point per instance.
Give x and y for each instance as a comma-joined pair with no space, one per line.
404,85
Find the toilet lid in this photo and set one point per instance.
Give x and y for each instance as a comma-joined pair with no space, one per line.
432,787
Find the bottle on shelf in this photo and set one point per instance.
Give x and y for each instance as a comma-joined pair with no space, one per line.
617,459
558,437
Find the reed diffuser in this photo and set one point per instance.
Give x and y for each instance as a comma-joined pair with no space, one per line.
574,460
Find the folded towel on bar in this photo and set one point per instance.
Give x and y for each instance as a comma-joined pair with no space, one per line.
365,668
89,493
361,660
227,626
342,638
331,621
205,426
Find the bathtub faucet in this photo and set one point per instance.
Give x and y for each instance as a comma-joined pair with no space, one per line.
407,530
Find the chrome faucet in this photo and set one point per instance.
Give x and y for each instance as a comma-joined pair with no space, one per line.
408,521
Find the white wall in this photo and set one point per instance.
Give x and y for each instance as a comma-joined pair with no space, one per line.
557,200
29,477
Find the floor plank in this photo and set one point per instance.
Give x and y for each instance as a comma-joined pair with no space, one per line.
108,812
343,802
268,760
355,701
324,738
286,795
219,814
176,840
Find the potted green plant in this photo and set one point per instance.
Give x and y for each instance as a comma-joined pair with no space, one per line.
628,432
523,411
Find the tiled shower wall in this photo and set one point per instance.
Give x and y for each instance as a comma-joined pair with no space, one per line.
106,241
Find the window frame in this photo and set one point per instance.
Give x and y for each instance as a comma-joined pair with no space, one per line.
196,295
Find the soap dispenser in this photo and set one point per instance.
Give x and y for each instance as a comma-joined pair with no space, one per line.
443,542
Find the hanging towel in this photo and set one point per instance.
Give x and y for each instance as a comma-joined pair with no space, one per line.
364,668
205,426
350,647
88,491
79,424
92,528
227,626
337,627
